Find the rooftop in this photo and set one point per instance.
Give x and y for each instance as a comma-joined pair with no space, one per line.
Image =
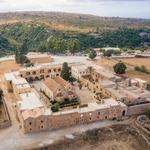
37,55
46,66
23,86
32,113
15,78
51,84
94,106
61,81
80,67
29,101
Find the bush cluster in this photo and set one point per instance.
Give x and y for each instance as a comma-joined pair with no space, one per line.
141,69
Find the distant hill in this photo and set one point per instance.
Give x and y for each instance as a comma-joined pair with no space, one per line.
74,22
57,32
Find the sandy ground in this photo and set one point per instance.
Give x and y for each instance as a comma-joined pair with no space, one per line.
7,66
131,63
138,61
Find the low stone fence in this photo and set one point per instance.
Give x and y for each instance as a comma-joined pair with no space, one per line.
140,125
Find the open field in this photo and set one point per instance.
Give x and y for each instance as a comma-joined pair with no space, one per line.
137,62
117,137
8,65
130,62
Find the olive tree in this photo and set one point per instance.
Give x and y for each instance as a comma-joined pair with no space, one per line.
120,68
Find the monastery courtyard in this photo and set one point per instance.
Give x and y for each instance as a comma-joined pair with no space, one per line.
99,113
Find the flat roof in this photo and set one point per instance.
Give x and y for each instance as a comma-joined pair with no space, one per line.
29,101
22,86
108,103
80,67
13,76
36,55
47,66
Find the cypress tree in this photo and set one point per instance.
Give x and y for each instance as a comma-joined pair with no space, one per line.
65,72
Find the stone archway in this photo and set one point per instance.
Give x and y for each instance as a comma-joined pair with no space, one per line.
36,78
41,77
123,113
29,79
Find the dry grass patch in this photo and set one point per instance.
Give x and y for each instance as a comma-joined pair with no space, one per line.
8,65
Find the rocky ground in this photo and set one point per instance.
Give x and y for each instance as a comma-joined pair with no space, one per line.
116,137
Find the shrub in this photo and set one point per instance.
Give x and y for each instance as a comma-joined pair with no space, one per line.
55,107
109,53
92,54
141,69
54,101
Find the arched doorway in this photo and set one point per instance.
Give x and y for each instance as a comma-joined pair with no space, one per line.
36,78
123,113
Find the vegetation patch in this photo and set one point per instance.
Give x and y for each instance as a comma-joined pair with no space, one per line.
141,69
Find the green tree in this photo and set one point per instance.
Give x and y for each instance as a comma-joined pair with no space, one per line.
20,53
24,47
73,45
65,72
107,53
120,68
58,44
92,54
55,107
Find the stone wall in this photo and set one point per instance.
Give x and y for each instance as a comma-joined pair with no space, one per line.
6,122
60,120
137,109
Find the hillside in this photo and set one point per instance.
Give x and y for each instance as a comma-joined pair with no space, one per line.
58,32
74,22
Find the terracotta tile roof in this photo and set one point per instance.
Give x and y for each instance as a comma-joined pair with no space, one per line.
61,81
54,84
51,84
